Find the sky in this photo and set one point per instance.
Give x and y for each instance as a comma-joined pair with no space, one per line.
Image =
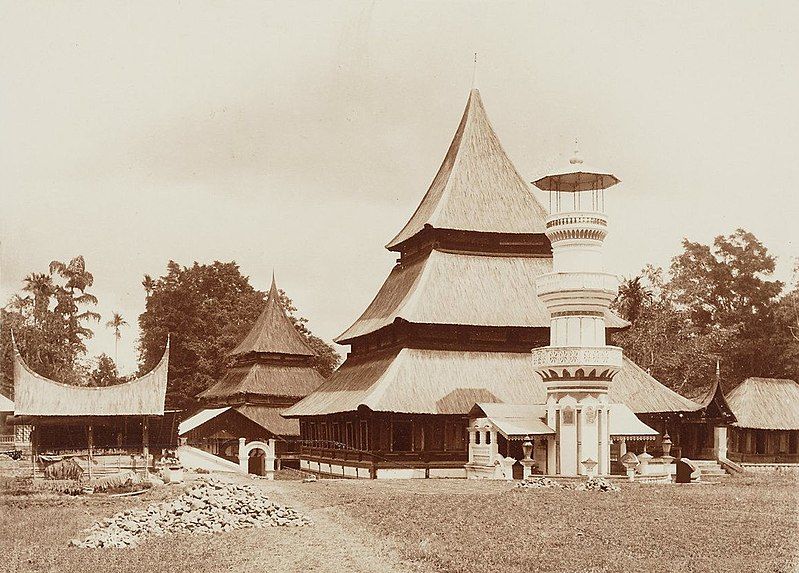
300,136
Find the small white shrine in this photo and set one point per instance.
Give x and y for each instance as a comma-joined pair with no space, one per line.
570,434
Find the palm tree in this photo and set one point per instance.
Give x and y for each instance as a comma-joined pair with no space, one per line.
148,283
41,287
117,322
632,297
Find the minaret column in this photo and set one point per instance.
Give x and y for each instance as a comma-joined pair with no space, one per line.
578,366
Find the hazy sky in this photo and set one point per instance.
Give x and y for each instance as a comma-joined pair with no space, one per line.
301,136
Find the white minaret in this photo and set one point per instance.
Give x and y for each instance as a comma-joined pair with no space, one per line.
577,367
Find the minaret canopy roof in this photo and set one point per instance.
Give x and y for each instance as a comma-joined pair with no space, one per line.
477,188
273,332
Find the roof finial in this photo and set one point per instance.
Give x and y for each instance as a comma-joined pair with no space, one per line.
474,69
576,159
273,286
718,368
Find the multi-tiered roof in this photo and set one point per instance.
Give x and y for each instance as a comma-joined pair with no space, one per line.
455,320
272,368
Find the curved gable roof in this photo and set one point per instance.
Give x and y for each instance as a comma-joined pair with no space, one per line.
477,187
35,395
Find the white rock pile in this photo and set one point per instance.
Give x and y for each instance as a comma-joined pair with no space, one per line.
208,506
597,484
539,482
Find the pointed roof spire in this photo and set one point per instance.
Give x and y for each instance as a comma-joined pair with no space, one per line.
273,332
477,188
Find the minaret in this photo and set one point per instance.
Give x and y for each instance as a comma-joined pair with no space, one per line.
577,367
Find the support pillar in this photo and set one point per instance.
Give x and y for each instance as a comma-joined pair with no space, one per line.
90,444
145,444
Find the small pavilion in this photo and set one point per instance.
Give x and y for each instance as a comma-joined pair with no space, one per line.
766,430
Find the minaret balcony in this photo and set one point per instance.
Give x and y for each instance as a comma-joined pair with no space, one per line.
577,225
576,365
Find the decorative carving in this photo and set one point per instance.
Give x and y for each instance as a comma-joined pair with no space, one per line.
567,415
590,415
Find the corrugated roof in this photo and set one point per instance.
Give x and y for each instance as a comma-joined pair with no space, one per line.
477,187
6,405
270,419
265,379
514,420
418,381
624,422
35,395
766,404
455,288
199,419
273,332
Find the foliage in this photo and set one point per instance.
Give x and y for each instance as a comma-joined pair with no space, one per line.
49,323
207,310
105,373
718,303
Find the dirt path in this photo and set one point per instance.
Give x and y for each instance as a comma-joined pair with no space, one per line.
332,545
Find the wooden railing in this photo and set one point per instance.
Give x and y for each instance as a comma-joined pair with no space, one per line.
6,440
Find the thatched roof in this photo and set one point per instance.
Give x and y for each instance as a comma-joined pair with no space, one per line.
636,388
451,382
477,187
454,288
766,404
35,395
273,332
293,381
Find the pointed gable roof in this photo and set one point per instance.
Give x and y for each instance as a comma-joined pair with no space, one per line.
273,332
477,187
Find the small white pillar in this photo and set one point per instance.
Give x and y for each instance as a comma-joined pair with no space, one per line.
720,442
270,460
243,457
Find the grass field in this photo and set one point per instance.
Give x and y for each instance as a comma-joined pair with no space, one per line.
744,524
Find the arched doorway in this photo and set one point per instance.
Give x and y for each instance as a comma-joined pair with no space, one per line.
256,464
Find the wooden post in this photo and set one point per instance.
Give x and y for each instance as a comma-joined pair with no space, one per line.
90,441
145,444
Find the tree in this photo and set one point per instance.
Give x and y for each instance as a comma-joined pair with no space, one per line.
105,373
48,323
207,310
718,302
726,290
116,322
632,297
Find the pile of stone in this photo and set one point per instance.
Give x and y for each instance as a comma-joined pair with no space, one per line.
208,506
539,482
597,484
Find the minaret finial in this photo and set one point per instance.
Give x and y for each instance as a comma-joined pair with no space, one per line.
576,159
474,70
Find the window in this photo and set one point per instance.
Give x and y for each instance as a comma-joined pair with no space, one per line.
401,436
350,437
793,441
488,437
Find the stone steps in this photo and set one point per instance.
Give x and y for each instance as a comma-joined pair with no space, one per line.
711,470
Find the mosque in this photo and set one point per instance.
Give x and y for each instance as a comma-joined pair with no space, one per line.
486,353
